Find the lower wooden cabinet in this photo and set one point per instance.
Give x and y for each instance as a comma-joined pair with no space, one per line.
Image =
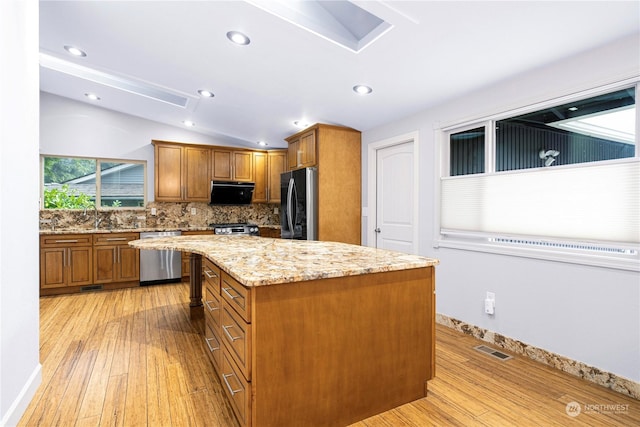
66,260
76,262
114,260
320,352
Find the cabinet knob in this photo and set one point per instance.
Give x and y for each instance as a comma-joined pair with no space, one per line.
377,230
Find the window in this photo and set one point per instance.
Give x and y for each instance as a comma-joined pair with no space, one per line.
80,183
561,182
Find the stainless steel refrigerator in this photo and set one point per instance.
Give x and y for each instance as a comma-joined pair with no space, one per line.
299,204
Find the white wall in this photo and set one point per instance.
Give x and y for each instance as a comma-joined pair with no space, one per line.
584,313
73,128
20,371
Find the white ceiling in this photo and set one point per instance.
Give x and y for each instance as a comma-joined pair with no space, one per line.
435,51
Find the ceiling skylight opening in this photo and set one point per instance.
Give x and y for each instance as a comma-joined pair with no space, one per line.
111,80
340,22
75,51
238,38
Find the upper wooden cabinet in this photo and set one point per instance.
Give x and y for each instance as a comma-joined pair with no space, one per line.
182,173
302,150
267,167
232,165
336,152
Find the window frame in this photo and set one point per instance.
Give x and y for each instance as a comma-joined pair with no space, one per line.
98,179
603,254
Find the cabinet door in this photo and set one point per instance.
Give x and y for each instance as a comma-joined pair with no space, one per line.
104,262
168,173
292,154
307,150
221,164
52,265
276,165
128,264
80,266
260,177
197,182
242,166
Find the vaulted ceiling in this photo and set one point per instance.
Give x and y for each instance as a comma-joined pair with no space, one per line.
150,58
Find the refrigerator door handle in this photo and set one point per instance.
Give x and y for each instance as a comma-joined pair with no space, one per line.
290,205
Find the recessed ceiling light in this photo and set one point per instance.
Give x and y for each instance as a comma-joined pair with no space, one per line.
238,38
188,123
573,108
362,89
92,96
301,124
205,93
75,51
262,143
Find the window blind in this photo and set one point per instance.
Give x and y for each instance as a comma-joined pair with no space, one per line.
595,202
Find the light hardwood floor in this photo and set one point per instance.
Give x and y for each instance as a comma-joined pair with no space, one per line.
134,357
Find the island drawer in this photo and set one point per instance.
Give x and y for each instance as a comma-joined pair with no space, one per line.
211,274
214,346
212,305
237,389
236,336
237,296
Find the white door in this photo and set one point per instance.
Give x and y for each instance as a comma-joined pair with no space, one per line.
396,198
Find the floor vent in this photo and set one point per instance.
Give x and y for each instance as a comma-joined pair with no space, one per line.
91,288
492,352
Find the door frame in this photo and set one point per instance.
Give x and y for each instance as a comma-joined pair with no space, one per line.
372,179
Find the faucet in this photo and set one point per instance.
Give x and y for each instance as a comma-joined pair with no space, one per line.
97,220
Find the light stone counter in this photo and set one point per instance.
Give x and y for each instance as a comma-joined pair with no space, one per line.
259,261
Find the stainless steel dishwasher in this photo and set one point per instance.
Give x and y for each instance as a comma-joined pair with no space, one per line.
160,266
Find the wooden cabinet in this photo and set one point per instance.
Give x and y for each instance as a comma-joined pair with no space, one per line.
65,260
260,177
182,173
302,150
75,262
232,165
114,260
267,167
280,349
336,152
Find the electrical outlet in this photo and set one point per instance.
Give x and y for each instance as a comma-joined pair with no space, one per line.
276,210
490,303
193,211
154,211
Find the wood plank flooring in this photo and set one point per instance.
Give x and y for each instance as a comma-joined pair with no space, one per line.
133,357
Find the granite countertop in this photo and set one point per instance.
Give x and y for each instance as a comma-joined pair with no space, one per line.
44,232
259,261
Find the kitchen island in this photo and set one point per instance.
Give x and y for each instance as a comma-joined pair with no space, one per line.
308,333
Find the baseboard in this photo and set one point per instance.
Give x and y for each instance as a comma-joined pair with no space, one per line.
581,370
19,405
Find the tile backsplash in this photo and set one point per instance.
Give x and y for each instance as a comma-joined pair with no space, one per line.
167,215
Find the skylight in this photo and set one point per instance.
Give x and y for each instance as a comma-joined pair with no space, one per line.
111,80
340,22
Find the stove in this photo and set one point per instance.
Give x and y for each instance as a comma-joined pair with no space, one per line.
232,229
